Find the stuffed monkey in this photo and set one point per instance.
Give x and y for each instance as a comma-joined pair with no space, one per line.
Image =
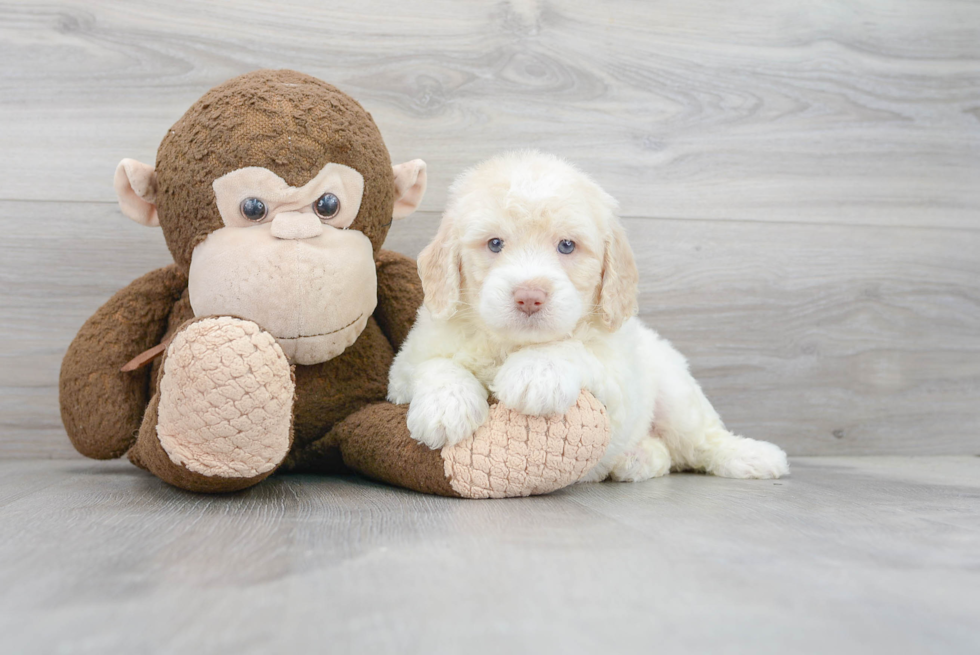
266,345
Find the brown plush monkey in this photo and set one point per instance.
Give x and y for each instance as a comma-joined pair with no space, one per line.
280,316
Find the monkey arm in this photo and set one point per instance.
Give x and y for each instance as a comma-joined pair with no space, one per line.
399,296
102,406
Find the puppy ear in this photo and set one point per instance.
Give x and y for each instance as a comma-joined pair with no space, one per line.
617,292
439,266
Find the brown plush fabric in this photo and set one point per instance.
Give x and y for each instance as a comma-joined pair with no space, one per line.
329,392
326,394
102,407
375,441
399,296
291,123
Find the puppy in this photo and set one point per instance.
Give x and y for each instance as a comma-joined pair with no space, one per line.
530,291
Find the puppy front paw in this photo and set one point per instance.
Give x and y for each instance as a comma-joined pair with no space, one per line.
445,415
535,384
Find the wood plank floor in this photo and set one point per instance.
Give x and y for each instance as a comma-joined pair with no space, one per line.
848,555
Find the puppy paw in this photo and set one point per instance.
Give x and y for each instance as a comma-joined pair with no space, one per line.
535,384
748,458
445,415
648,459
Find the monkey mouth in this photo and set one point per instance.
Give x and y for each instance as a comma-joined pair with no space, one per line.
323,334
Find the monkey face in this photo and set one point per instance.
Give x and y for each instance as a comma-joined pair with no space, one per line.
275,191
286,259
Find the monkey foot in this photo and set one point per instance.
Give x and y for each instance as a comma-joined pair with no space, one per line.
510,455
513,454
225,400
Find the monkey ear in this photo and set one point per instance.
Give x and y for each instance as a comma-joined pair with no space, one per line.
410,179
136,188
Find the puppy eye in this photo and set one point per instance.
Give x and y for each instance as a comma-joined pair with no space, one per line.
495,245
253,209
566,246
327,206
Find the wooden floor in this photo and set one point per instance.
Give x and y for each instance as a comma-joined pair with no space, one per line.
848,555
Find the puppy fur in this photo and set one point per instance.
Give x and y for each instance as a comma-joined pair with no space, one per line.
511,310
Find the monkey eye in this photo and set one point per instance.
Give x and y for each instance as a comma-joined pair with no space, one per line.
566,246
327,206
495,244
253,209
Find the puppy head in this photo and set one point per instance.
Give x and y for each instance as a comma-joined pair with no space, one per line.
530,247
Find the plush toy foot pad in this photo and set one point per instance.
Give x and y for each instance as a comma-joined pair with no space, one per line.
226,399
513,454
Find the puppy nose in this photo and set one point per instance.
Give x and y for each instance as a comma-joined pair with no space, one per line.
296,225
530,300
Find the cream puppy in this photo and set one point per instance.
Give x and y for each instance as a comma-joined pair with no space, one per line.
530,291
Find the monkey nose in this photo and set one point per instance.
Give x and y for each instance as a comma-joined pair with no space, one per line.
296,225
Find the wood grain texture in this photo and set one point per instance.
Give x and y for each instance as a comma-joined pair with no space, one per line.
800,181
846,111
825,339
846,556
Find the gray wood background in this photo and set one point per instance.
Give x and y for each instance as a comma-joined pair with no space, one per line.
801,181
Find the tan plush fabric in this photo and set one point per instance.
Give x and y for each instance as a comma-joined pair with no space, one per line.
172,418
511,455
314,295
252,181
290,123
226,399
517,455
148,454
410,183
136,186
